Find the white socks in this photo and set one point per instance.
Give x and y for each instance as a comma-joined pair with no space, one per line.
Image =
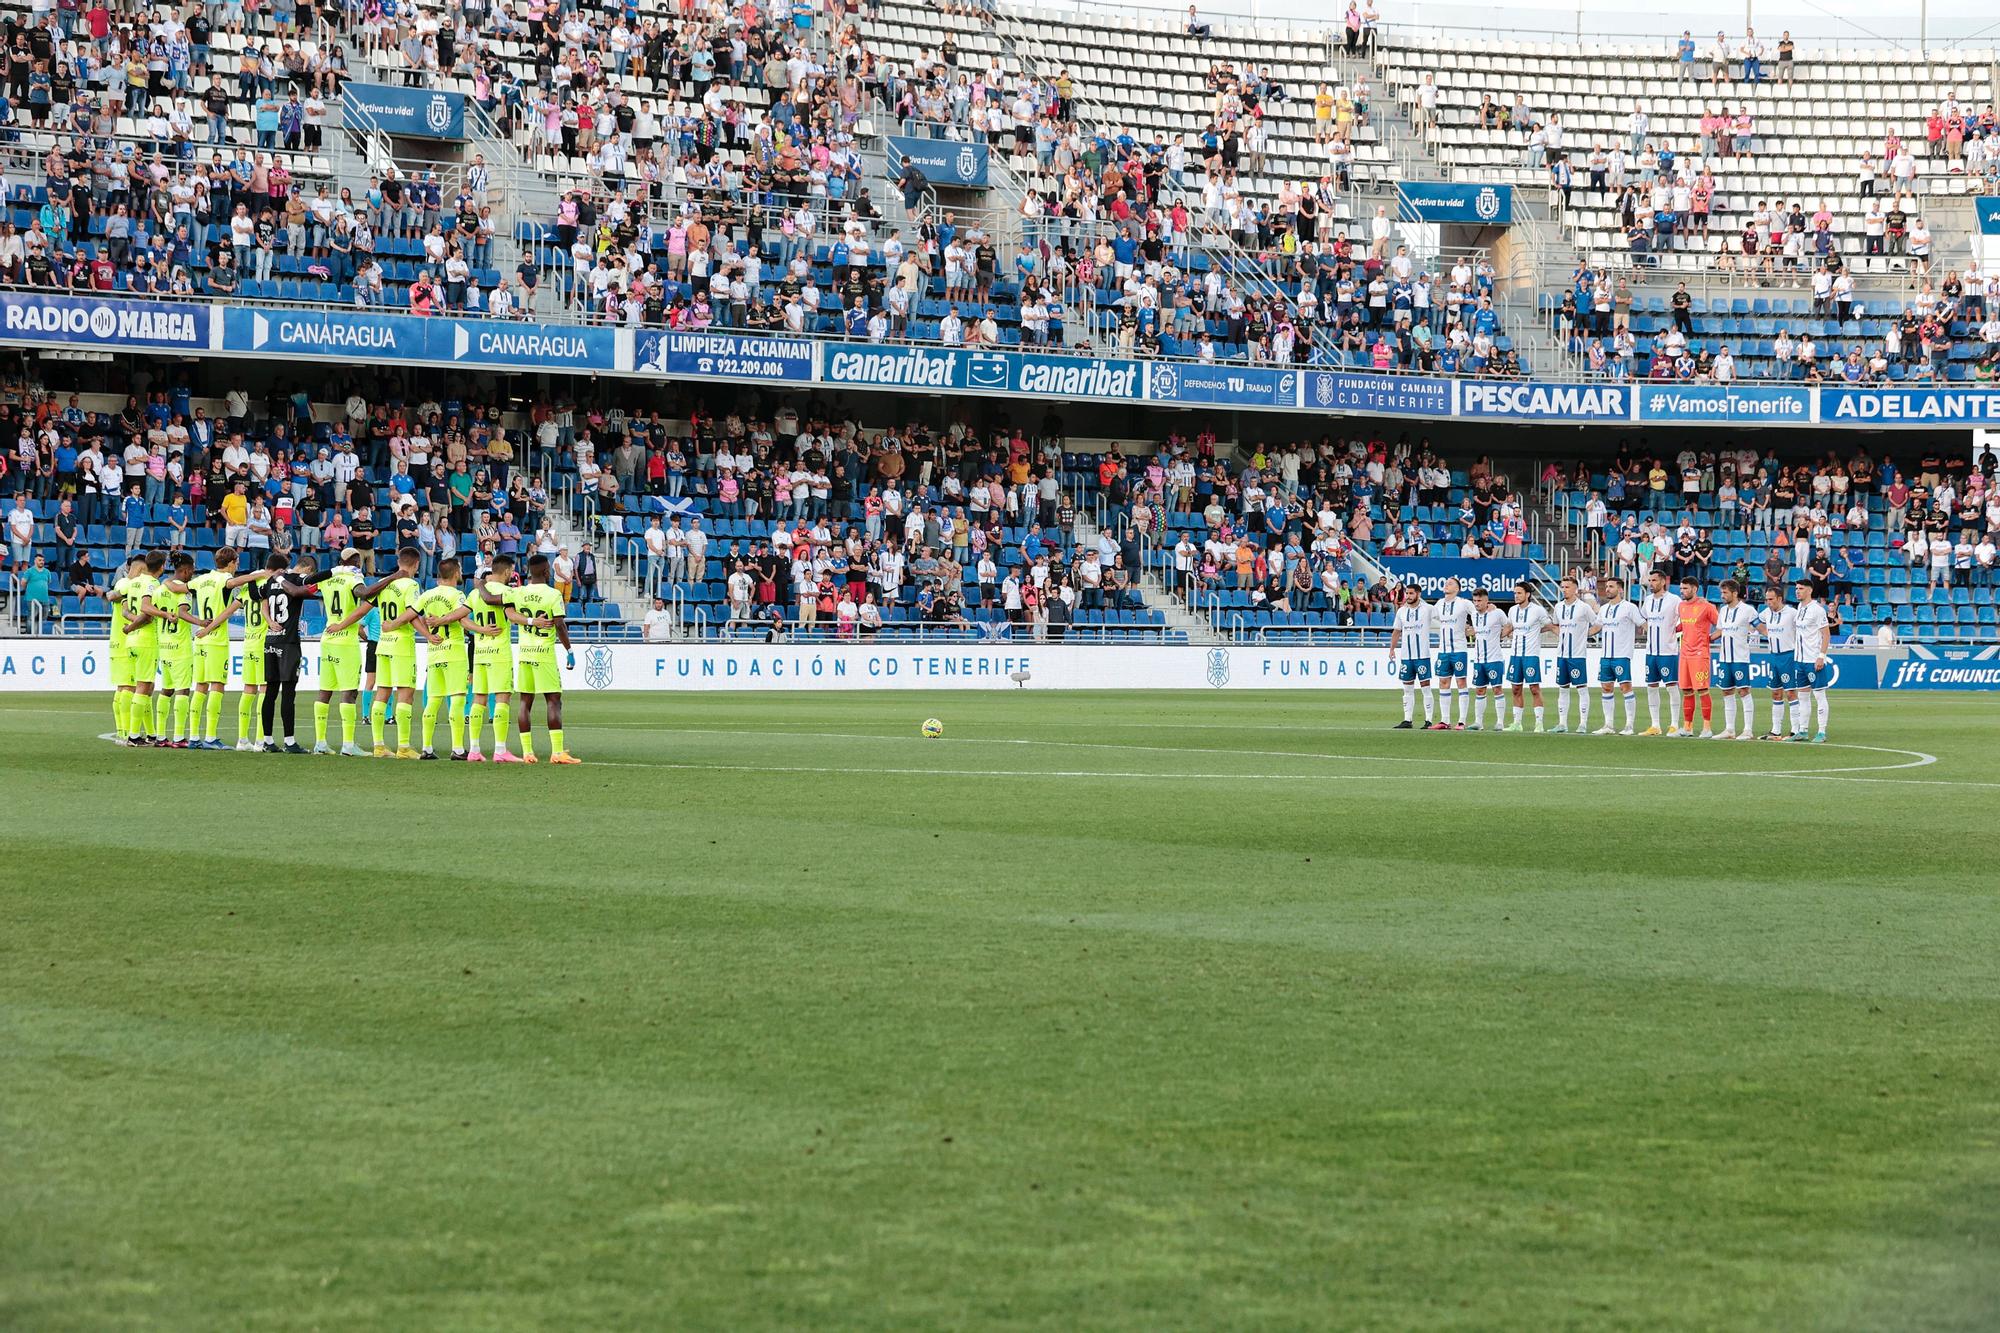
1409,701
1819,698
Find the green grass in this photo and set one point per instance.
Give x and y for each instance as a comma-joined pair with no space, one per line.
1105,1011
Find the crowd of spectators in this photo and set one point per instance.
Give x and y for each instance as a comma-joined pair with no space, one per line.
854,527
1942,518
439,473
1947,329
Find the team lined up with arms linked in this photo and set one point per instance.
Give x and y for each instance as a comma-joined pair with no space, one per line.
170,654
1690,644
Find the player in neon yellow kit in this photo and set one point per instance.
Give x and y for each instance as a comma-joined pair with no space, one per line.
176,620
443,611
121,652
347,599
492,657
215,596
538,609
256,634
396,653
142,646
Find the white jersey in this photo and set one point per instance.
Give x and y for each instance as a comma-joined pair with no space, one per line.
1618,623
1452,613
1733,627
1486,630
1662,614
1412,626
1573,624
1528,621
1782,627
1812,632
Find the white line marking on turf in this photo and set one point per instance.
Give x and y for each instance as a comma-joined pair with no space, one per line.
1916,758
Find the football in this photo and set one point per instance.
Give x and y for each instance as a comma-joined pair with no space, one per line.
933,728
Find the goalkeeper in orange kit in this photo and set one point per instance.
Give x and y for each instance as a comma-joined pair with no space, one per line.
1697,617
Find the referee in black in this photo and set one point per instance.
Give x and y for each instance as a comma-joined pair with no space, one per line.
284,612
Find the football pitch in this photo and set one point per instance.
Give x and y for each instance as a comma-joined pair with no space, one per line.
1104,1011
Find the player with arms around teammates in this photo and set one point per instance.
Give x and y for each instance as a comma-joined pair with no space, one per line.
1575,620
537,609
1813,670
1525,621
1453,614
1409,649
1489,632
1697,627
1618,627
1735,622
1660,612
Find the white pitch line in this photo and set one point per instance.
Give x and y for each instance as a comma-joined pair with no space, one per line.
1916,758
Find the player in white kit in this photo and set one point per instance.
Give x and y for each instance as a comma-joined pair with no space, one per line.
1814,671
1452,615
1779,624
1617,639
1661,611
1410,652
1575,619
1735,623
1525,621
1489,656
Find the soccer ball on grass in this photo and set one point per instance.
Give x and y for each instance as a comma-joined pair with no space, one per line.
932,728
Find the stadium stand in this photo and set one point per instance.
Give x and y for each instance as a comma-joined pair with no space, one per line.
1827,132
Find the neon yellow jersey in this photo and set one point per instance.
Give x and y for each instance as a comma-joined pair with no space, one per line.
255,626
118,613
391,602
209,594
137,589
176,638
337,597
537,599
487,646
439,602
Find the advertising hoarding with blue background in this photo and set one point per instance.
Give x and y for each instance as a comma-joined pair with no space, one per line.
1227,385
1448,201
104,321
1396,395
1524,400
713,355
1496,576
942,161
471,342
409,113
1737,404
1033,375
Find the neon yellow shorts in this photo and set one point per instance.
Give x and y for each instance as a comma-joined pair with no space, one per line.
396,671
211,659
253,661
121,666
145,662
340,665
177,670
537,675
446,678
493,675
